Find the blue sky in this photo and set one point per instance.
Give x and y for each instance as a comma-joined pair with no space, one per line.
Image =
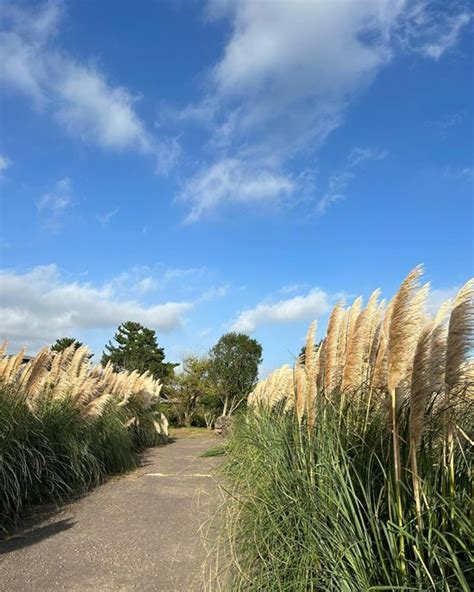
201,167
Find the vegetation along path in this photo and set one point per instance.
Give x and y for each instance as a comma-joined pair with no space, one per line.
143,531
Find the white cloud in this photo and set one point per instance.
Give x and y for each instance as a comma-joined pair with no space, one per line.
286,76
145,286
439,295
145,279
180,273
54,203
213,293
315,303
292,66
105,218
168,154
79,97
231,181
4,164
90,108
463,173
444,34
338,183
205,332
40,305
292,288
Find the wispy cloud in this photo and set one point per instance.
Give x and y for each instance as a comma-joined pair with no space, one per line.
439,295
339,182
78,96
444,125
233,181
442,33
105,218
168,154
145,285
214,292
292,288
4,165
460,172
195,282
283,84
53,204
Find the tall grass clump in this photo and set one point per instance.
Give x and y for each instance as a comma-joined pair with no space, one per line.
353,472
65,426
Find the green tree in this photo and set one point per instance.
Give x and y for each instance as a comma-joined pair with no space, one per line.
136,348
64,342
234,369
190,387
302,355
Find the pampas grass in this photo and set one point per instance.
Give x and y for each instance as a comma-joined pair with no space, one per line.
65,425
371,487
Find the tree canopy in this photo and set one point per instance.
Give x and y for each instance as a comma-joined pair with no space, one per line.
234,368
191,390
136,348
65,342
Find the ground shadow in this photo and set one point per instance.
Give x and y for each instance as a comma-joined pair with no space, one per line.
146,457
31,536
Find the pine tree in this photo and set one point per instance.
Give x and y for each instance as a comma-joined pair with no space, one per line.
64,342
136,348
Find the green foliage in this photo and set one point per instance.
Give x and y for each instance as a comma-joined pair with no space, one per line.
302,354
234,369
137,349
65,342
317,511
191,390
53,454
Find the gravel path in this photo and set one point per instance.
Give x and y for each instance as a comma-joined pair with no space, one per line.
141,532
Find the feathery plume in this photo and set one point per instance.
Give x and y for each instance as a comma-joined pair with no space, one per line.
358,352
420,384
341,350
331,347
300,391
311,372
403,331
460,335
36,372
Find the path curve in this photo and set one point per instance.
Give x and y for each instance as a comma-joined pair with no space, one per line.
137,532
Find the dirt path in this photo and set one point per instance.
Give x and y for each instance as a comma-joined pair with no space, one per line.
139,532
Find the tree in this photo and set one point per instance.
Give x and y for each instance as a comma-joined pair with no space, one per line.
137,349
234,369
65,342
189,388
302,355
